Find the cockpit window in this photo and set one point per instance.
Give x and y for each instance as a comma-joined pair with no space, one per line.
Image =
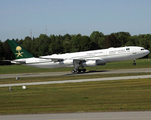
142,49
127,48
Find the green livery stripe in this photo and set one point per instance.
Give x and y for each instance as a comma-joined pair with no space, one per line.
18,51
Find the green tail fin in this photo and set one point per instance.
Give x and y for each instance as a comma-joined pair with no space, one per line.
18,51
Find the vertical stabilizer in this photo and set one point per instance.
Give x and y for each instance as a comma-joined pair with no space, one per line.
18,51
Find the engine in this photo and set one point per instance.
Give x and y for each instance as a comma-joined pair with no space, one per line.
93,63
89,63
101,62
66,62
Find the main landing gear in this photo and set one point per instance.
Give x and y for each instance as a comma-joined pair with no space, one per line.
78,70
134,62
78,65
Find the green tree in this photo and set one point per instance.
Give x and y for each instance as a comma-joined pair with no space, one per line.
101,42
110,41
97,38
27,43
95,35
75,43
67,43
8,54
1,51
130,41
86,44
56,45
44,42
144,41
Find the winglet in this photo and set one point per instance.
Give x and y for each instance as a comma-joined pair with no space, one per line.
18,51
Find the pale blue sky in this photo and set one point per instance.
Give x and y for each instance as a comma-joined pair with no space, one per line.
17,17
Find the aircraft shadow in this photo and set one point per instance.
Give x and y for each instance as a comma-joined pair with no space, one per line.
87,72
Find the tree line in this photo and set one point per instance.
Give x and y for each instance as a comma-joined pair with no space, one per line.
58,44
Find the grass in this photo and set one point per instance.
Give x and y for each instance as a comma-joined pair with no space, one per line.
127,95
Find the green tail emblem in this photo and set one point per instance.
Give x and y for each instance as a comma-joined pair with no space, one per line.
18,51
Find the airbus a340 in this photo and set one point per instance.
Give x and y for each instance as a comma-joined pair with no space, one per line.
78,60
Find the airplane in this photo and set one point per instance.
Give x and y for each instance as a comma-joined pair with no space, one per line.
78,59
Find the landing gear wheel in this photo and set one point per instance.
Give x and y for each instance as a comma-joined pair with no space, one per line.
73,71
77,71
83,70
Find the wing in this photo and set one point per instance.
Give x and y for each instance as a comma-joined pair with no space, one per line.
55,59
75,60
51,58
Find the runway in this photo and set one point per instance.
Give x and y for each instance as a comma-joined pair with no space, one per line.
142,115
49,74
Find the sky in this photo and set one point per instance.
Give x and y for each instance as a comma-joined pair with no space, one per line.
18,17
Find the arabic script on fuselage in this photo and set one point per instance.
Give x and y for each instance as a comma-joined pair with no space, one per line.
117,51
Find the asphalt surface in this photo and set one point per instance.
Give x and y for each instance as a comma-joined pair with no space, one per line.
83,116
49,74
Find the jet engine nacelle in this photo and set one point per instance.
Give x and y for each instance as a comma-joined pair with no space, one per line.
101,62
66,62
91,63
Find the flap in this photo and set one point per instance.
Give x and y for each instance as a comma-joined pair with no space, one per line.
56,59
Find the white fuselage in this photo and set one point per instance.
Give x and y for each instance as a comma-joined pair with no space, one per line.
89,57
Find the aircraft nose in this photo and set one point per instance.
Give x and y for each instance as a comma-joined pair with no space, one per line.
147,52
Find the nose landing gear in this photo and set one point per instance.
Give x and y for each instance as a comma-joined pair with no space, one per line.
134,62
